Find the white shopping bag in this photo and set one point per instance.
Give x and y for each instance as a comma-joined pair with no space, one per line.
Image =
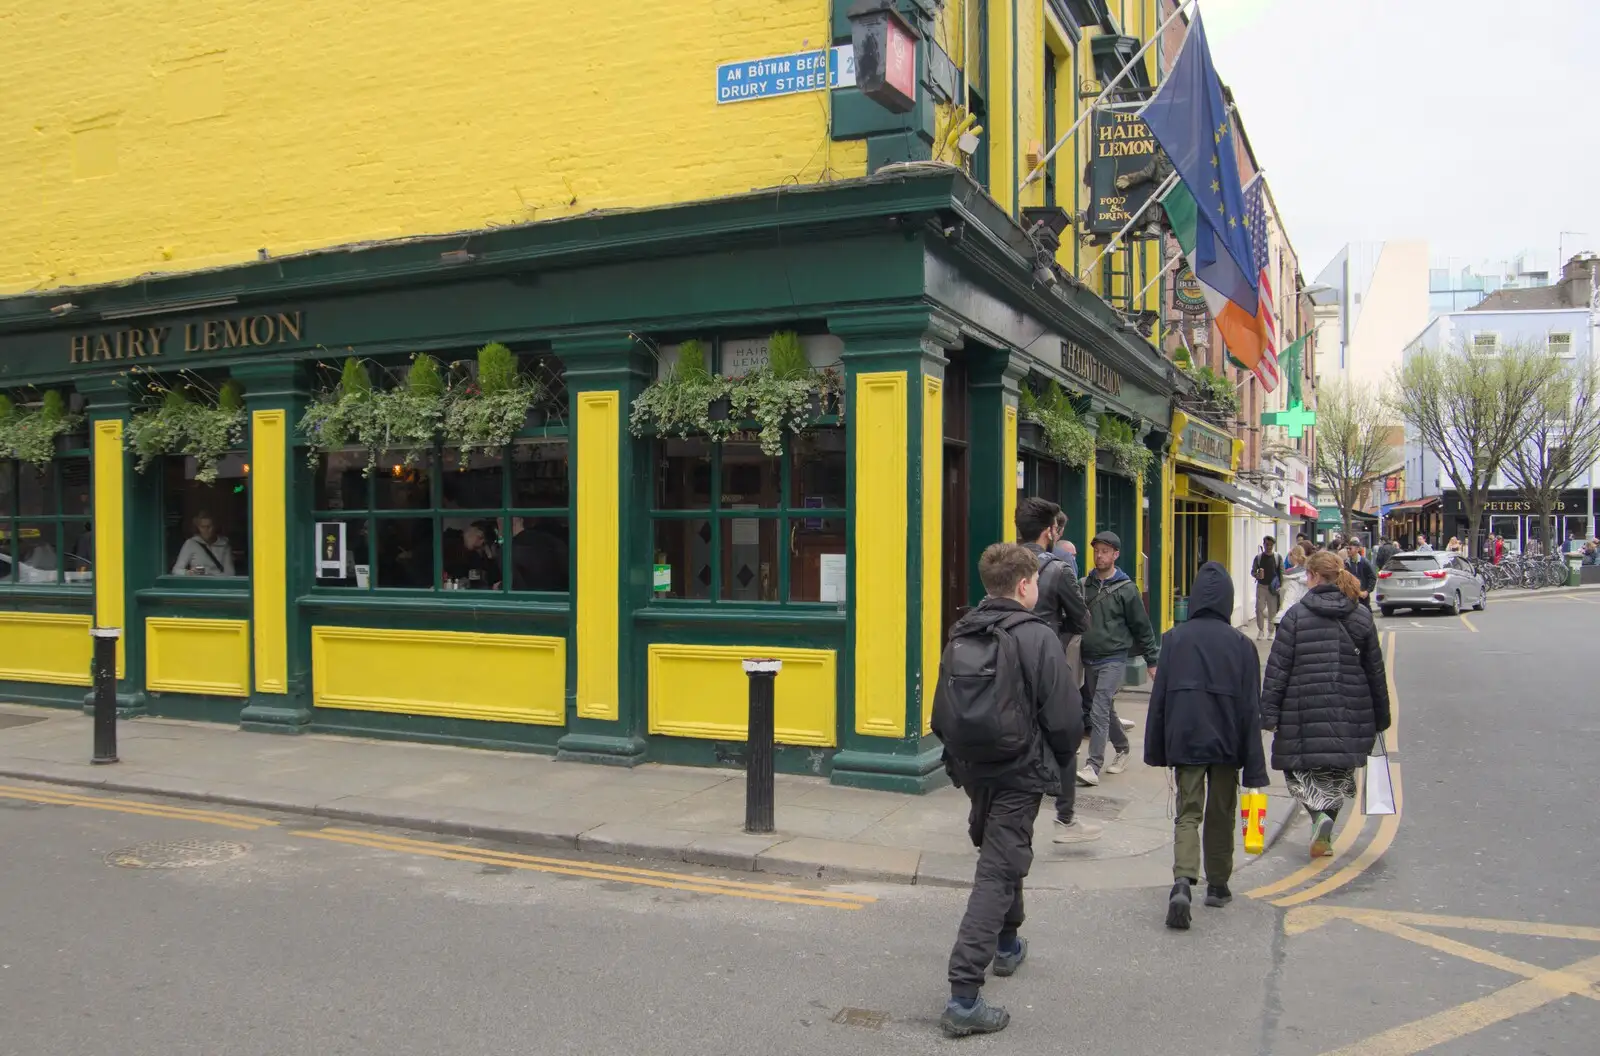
1380,789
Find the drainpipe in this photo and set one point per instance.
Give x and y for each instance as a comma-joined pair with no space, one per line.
1016,118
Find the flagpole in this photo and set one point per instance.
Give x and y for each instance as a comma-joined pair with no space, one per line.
1160,191
1038,170
1159,276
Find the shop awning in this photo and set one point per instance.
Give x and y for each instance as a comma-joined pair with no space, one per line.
1410,505
1299,507
1229,493
1333,517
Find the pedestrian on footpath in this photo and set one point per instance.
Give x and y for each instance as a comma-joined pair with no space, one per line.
1325,695
1118,625
1007,714
1065,548
1294,580
1386,550
1267,571
1039,524
1366,576
1205,723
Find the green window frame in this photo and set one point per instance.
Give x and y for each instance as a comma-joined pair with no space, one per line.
545,564
47,506
797,536
232,518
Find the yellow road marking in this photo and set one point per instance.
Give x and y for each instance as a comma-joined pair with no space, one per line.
591,871
151,810
1487,958
1341,844
1375,850
1391,739
1305,918
1470,627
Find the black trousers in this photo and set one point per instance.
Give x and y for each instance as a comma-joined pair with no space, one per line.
1001,827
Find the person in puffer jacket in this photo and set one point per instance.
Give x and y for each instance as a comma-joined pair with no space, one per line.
1325,694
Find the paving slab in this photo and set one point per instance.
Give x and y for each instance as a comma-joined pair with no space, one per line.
729,850
638,840
838,859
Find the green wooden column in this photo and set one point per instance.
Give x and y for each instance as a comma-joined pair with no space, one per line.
1156,491
994,378
275,397
127,532
610,479
894,375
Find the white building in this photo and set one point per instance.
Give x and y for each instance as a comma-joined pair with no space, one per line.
1378,302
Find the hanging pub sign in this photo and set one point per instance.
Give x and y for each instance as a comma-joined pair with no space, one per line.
885,47
1187,292
1124,171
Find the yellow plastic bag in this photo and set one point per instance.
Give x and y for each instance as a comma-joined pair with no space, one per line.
1253,814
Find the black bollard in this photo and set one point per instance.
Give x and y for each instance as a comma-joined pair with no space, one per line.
105,694
763,674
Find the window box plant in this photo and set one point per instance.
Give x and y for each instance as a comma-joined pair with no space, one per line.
406,418
35,435
782,397
486,413
188,420
1116,438
1060,431
681,402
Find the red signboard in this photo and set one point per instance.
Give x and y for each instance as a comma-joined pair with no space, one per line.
900,66
1299,507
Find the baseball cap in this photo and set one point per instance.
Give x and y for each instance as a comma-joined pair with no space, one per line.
1109,539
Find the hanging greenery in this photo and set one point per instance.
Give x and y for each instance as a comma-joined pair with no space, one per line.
1218,391
30,435
404,419
192,419
1116,438
783,396
1065,436
485,414
680,402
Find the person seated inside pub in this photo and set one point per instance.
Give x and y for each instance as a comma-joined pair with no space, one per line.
539,553
471,557
205,553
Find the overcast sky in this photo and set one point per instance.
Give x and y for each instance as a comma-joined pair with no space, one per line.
1473,124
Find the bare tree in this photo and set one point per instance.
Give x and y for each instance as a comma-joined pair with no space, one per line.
1353,450
1469,409
1563,439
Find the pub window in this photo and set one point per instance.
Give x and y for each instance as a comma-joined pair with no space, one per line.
732,524
206,524
46,523
497,521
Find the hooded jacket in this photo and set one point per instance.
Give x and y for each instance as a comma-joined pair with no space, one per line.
1046,679
1060,601
1118,624
1325,691
1205,706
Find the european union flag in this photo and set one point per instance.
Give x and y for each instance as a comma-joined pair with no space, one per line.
1190,120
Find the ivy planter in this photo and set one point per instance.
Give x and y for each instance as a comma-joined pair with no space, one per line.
536,418
76,440
1030,434
720,409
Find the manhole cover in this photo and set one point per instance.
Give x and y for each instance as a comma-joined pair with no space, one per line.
861,1017
1099,804
8,721
176,854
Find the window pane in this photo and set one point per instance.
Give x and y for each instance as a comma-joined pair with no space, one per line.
38,556
539,475
817,570
358,546
749,478
472,483
77,559
77,488
683,475
8,553
36,490
8,488
750,559
402,487
405,552
540,548
819,470
338,483
685,548
471,553
207,526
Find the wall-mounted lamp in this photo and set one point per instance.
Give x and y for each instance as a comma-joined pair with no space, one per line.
886,55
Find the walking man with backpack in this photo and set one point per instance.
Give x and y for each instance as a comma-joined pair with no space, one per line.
1008,716
1039,525
1118,625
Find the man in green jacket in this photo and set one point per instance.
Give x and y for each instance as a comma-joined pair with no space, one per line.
1118,626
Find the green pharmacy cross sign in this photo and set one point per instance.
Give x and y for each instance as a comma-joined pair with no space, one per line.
1295,419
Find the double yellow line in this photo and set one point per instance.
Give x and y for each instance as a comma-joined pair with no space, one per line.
53,797
591,870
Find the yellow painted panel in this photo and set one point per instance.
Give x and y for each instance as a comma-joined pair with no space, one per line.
1091,509
1008,478
1169,534
269,548
702,691
932,537
46,647
225,128
110,532
599,498
880,525
450,674
197,656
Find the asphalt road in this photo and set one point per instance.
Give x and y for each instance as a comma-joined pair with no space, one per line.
1463,927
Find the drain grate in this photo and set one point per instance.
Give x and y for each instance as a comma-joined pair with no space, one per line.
176,854
861,1017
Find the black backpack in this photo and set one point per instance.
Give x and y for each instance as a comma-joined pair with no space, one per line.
981,707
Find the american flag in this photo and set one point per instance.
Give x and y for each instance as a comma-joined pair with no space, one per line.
1255,212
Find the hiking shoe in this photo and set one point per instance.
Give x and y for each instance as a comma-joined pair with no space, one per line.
1078,831
980,1017
1218,895
1127,724
1321,836
1178,906
1119,761
1088,775
1006,962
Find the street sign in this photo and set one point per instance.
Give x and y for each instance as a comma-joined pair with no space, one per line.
778,75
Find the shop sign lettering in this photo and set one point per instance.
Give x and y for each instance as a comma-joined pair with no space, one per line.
1204,445
207,335
1523,506
1122,172
1076,360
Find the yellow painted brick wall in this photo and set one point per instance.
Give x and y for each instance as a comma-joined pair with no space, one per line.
145,135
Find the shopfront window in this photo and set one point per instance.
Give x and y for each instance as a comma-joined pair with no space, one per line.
498,522
732,524
206,525
46,523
